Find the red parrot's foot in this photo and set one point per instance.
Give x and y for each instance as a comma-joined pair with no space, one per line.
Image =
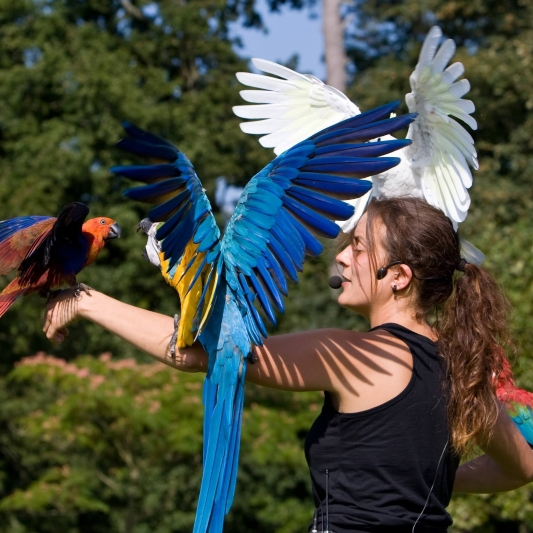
81,287
51,295
48,294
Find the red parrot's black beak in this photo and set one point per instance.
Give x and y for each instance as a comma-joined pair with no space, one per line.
114,232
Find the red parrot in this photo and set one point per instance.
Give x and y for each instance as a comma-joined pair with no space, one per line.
48,252
518,402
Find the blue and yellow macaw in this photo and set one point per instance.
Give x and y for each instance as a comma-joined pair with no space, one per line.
222,281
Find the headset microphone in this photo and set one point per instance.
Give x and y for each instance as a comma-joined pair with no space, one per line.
335,282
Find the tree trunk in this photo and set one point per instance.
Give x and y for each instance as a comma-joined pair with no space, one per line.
333,28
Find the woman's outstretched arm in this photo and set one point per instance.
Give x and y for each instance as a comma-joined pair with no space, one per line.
288,364
146,330
507,465
361,369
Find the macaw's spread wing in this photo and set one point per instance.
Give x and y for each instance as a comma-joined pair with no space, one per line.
442,149
280,213
17,236
292,106
64,235
296,198
189,236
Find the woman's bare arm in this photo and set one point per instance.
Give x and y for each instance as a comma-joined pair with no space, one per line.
351,365
507,465
278,362
146,330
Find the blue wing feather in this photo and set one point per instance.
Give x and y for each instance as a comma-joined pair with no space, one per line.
271,263
281,181
346,165
276,295
11,226
263,298
374,149
155,192
296,253
145,149
148,173
376,114
150,138
286,231
323,226
284,258
321,202
350,130
168,208
337,185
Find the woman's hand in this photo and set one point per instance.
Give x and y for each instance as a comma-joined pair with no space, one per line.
62,309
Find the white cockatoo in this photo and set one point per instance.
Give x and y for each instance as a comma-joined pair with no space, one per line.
293,106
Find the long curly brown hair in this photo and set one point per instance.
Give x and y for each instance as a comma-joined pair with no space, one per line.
468,310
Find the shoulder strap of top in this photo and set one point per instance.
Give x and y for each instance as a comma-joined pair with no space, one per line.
405,334
422,348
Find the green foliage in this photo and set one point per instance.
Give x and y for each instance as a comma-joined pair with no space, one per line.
103,445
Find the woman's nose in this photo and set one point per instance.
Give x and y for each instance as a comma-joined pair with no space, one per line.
343,257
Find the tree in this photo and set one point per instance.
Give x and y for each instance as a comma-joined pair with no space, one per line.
335,55
98,444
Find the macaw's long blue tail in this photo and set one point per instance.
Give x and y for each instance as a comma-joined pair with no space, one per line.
228,345
222,435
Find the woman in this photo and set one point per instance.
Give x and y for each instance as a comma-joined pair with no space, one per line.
403,401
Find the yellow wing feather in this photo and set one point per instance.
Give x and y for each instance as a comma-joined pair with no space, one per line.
181,282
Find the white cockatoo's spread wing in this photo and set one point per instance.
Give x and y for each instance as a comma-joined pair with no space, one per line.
435,166
442,149
292,106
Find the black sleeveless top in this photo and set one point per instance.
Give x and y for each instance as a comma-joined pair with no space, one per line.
380,464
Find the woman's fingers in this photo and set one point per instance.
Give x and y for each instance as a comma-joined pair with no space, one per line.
60,311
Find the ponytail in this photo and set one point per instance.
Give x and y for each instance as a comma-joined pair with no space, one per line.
472,327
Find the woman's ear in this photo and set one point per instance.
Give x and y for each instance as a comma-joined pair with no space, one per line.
401,277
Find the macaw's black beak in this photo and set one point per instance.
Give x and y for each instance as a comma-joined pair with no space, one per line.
145,224
114,232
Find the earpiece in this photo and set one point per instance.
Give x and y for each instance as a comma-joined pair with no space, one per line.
382,272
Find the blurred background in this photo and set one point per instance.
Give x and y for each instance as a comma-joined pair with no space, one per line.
93,436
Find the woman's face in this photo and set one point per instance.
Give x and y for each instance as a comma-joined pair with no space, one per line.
359,291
